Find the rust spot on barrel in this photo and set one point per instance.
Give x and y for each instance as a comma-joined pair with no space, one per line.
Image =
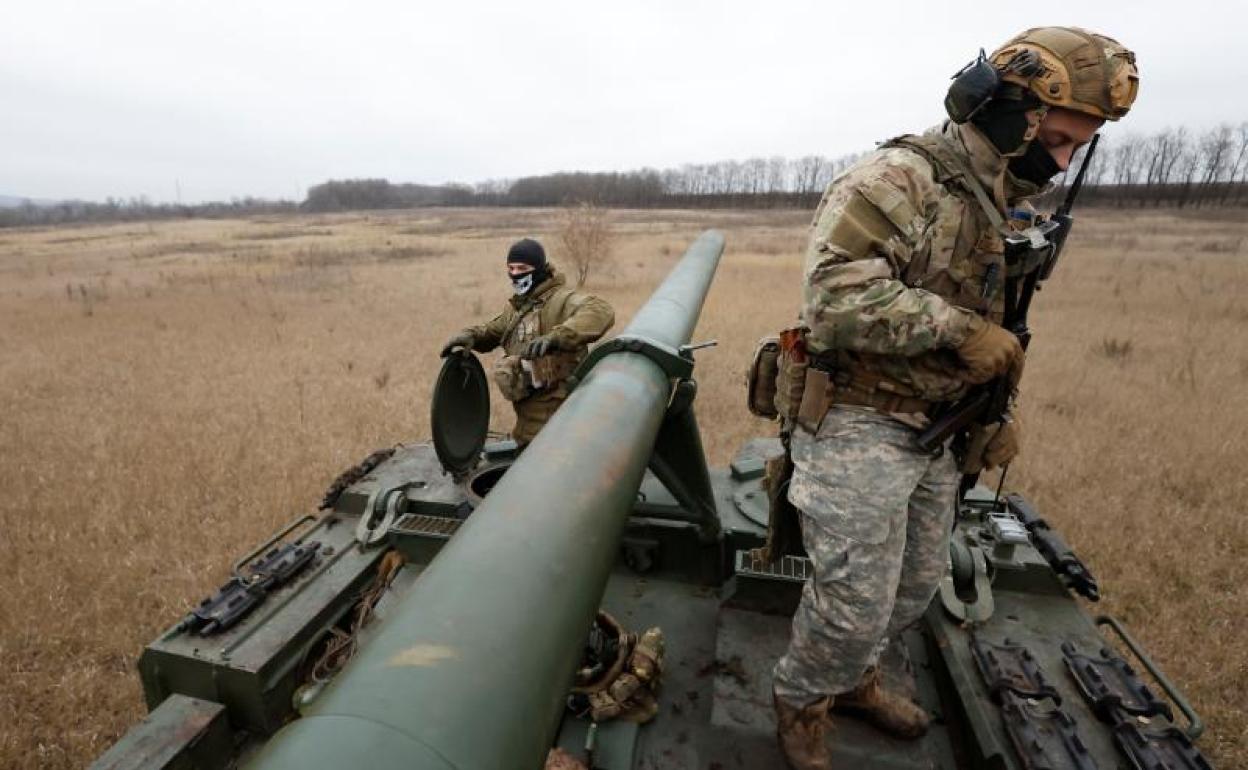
422,655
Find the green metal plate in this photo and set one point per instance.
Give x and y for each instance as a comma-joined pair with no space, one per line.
181,734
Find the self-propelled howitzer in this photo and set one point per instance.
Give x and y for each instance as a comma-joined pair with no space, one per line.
433,614
473,668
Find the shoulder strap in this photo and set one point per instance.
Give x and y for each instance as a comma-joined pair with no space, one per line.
515,322
951,169
558,297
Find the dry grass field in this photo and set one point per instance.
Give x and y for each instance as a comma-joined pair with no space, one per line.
171,393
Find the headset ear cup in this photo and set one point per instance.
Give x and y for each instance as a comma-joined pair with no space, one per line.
972,88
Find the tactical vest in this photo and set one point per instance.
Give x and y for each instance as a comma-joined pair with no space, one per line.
532,320
959,256
962,255
535,319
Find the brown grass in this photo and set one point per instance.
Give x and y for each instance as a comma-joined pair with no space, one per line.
174,392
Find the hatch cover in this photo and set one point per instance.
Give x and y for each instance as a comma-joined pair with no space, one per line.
460,413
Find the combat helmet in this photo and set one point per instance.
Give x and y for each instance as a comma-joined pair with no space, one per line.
1072,68
1054,67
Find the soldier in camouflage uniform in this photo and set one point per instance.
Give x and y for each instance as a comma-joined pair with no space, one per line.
902,302
544,330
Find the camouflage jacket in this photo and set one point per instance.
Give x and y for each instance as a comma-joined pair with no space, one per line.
899,260
574,317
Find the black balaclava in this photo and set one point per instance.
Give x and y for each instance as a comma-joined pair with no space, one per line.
529,252
1036,165
1004,121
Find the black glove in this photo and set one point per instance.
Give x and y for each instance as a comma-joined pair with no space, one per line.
460,342
541,346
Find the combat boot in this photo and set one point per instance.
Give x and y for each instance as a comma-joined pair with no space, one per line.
801,732
893,713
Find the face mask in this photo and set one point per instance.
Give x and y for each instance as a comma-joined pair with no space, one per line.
1035,165
1004,122
1005,127
521,284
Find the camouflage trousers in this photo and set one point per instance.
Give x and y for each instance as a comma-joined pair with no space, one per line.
876,516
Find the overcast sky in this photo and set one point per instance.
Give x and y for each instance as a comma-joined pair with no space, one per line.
225,98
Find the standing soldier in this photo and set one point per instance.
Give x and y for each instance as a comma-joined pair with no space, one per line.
544,331
902,301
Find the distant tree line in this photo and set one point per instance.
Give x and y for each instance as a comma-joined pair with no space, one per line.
757,182
134,210
355,194
1172,167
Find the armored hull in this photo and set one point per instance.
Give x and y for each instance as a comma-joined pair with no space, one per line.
431,614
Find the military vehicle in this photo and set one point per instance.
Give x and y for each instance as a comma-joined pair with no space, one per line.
433,614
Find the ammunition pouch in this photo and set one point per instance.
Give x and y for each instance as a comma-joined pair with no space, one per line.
760,378
549,371
646,662
816,399
513,381
791,368
626,688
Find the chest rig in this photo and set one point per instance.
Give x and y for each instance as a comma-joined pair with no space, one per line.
961,256
533,319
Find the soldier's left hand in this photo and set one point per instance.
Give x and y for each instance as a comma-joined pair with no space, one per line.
990,351
993,445
541,346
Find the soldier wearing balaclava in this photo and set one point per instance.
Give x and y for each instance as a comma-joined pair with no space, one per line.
544,330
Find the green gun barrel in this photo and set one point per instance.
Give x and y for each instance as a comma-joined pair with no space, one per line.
471,670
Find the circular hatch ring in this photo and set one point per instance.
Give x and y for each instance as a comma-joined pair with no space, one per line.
460,413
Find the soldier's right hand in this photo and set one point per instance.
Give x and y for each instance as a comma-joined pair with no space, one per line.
990,351
991,446
459,343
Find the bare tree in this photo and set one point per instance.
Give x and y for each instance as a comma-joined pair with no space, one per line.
807,171
1166,150
1126,154
1239,169
777,175
1098,171
584,239
1215,150
755,171
1187,166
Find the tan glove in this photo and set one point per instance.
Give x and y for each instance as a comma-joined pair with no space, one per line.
993,445
990,351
